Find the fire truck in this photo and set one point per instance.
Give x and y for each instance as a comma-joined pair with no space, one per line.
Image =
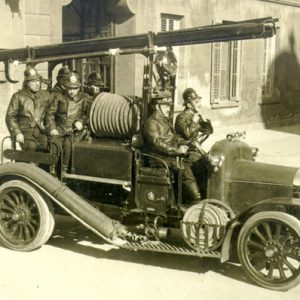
250,207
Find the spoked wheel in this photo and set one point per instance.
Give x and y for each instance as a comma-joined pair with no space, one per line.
269,250
26,219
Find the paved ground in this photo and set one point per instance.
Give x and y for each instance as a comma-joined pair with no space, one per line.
76,264
279,145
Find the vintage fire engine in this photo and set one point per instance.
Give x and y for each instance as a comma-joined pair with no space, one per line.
112,190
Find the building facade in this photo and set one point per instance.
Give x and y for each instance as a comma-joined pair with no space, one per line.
252,82
22,23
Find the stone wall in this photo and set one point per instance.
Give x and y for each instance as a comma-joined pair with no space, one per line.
22,23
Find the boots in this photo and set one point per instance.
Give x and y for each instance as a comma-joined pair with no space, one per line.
191,192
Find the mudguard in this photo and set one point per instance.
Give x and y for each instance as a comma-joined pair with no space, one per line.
72,203
283,201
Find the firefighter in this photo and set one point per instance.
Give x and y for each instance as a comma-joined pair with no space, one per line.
61,74
26,112
189,122
188,125
95,84
67,116
161,140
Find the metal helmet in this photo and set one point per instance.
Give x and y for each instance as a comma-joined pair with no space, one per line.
189,95
162,97
62,72
31,73
71,80
95,79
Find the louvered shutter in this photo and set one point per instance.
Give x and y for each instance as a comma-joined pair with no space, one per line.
226,71
163,23
235,70
268,67
216,72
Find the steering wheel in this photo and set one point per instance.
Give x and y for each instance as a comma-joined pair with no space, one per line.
200,137
197,141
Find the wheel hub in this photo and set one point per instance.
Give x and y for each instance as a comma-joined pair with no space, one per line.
16,217
21,214
272,250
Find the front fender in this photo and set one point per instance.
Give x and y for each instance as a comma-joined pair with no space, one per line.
259,206
59,193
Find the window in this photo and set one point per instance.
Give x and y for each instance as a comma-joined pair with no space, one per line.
169,22
89,65
225,73
268,67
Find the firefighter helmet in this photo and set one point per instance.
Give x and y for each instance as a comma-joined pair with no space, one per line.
189,95
162,97
71,80
62,72
31,73
95,79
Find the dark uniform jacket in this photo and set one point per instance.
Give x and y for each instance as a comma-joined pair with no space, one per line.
65,111
187,128
57,89
160,136
27,110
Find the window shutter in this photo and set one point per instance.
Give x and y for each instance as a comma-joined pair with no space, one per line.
235,70
225,71
268,67
163,24
171,24
216,71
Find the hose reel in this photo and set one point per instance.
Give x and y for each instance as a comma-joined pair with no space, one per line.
204,224
115,116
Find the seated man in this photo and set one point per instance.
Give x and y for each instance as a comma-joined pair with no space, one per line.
26,112
61,75
67,116
189,122
161,140
187,125
95,85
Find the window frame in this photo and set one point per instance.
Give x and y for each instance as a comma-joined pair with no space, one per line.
270,46
234,54
175,21
170,19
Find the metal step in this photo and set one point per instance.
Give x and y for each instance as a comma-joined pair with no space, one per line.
172,248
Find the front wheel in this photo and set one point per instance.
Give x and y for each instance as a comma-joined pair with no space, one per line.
26,218
269,250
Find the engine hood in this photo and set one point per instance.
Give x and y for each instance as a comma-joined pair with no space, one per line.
264,173
251,182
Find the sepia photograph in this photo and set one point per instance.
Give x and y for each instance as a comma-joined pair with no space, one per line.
149,149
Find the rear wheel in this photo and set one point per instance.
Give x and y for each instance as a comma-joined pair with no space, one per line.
269,249
26,218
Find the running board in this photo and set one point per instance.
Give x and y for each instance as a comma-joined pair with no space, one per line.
164,247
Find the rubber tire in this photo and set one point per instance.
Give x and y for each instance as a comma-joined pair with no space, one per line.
260,217
45,215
